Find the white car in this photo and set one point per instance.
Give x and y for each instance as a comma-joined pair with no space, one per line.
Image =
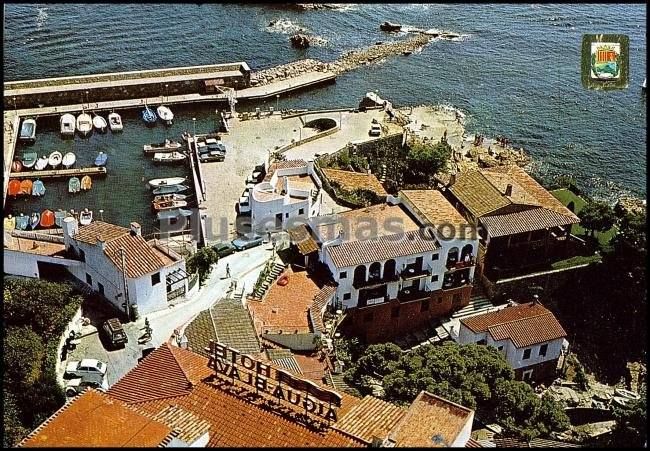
85,367
375,130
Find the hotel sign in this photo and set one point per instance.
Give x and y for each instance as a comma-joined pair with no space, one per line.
273,383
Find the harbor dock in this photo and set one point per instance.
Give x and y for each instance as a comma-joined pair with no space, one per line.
58,173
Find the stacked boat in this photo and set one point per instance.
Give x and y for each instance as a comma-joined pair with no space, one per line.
168,203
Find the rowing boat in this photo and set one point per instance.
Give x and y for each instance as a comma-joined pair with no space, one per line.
38,188
86,183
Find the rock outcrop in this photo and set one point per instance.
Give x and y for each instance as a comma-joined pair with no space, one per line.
300,41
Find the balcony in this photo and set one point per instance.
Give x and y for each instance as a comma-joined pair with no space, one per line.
456,280
453,265
375,282
412,272
412,294
372,301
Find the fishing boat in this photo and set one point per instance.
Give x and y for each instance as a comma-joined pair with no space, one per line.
86,183
155,183
115,122
28,130
38,188
170,189
55,159
67,123
173,214
47,218
59,216
26,187
166,157
42,163
165,114
29,160
85,217
167,146
16,166
84,123
168,205
100,123
14,187
168,197
148,116
74,185
22,222
69,159
34,220
101,159
9,223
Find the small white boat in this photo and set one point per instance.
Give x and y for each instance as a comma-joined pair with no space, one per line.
84,123
100,123
155,183
167,157
42,163
115,122
69,159
67,123
85,217
167,146
55,159
165,114
28,130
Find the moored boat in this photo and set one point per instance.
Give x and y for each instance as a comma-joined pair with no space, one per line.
67,123
29,160
155,183
42,163
101,159
168,157
84,123
86,183
168,145
69,159
148,116
170,189
100,123
34,220
55,159
85,217
173,214
47,218
28,130
22,222
165,114
14,187
115,122
26,187
9,223
74,185
168,205
16,166
168,197
38,188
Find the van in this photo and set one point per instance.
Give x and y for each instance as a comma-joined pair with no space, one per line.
114,332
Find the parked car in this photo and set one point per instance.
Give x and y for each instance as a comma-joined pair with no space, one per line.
85,367
78,385
114,332
246,243
375,130
224,249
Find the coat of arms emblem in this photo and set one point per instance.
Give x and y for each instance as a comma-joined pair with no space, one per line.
605,60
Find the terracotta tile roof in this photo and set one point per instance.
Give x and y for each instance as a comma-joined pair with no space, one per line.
289,164
525,324
546,443
283,358
301,237
477,194
431,421
525,221
199,332
510,442
317,308
351,181
89,233
432,207
93,419
370,418
188,426
471,443
37,247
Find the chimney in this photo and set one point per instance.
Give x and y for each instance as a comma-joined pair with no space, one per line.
452,179
136,230
509,190
101,243
70,229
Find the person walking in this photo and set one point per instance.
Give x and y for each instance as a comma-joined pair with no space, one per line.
227,270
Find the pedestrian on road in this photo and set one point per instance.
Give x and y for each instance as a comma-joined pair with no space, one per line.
227,270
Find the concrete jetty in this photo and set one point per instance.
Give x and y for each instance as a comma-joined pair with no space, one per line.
58,173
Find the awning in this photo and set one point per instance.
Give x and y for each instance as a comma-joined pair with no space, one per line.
176,276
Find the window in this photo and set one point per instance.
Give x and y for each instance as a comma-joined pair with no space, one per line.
526,354
89,279
481,342
424,306
527,375
155,279
368,317
286,215
394,312
500,348
434,278
343,275
82,255
100,287
542,350
301,211
347,296
435,257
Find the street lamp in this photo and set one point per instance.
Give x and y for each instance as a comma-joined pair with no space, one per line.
101,214
167,91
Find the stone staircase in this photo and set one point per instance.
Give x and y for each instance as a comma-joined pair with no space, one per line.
276,270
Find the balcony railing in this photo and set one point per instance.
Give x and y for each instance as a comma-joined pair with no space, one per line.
411,272
411,294
372,301
375,282
453,284
453,265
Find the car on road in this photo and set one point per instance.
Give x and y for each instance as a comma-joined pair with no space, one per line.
244,242
375,130
79,384
114,332
223,249
85,367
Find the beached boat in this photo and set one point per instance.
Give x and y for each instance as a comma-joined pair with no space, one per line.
67,123
168,157
55,159
168,145
22,222
85,217
173,214
115,122
26,187
42,163
9,223
84,123
155,183
38,188
170,189
69,159
165,114
168,197
28,130
16,166
148,116
100,123
101,159
86,183
168,205
59,216
29,160
34,220
14,187
74,185
47,218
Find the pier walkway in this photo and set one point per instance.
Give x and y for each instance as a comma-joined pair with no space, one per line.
11,123
58,173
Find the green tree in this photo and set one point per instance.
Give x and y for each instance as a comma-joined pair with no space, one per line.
14,431
581,377
202,262
23,355
597,216
425,160
632,423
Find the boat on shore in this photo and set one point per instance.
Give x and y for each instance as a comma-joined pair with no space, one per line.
100,123
34,220
170,181
69,159
85,217
28,130
26,187
67,123
16,166
169,145
74,185
169,157
115,122
38,188
55,159
10,223
165,114
47,218
169,189
84,123
29,160
168,197
86,183
173,214
148,116
168,205
101,159
42,163
22,222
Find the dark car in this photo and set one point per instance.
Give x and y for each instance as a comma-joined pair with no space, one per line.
223,249
114,332
244,242
78,385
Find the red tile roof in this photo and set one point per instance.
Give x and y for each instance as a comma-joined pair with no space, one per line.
289,164
525,324
302,238
370,418
525,221
351,181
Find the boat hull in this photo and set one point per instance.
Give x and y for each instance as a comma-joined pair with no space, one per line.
156,183
55,159
69,160
28,130
115,122
68,125
170,189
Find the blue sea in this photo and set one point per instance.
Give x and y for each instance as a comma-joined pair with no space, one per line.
515,72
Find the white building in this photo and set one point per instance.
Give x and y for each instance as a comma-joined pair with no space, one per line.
528,335
290,193
120,264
